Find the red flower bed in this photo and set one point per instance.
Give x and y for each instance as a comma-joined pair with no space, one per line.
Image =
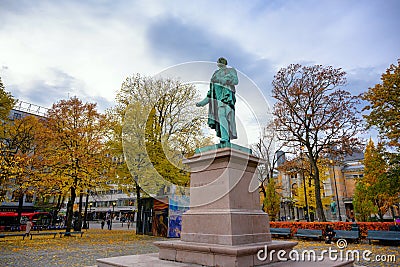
364,226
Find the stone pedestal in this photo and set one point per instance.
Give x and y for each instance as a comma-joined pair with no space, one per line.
225,225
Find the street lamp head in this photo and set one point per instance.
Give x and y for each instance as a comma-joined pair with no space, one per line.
114,204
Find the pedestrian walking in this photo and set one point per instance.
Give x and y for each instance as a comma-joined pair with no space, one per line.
129,223
102,224
28,228
109,224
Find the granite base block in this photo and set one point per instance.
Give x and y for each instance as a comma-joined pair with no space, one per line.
152,260
219,255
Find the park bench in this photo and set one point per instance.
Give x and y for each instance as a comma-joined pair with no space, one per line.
44,233
285,232
7,235
55,227
308,233
394,227
383,236
37,228
15,228
71,233
348,235
355,227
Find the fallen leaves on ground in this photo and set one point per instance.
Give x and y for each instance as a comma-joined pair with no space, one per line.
97,243
91,237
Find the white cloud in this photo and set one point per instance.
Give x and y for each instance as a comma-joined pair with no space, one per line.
99,52
98,44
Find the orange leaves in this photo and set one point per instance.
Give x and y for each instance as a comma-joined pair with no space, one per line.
384,99
313,111
364,226
6,102
19,163
75,151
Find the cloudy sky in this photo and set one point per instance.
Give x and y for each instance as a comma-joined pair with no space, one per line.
50,50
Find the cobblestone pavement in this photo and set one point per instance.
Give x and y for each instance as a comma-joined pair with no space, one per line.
97,243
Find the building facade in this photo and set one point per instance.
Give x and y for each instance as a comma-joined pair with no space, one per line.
337,191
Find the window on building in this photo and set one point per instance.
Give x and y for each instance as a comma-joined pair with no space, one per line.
29,198
15,196
16,116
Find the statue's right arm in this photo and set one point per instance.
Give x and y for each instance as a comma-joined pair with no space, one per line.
203,102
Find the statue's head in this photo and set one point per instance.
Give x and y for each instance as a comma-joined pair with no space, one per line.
222,62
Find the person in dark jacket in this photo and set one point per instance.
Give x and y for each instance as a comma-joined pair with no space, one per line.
329,234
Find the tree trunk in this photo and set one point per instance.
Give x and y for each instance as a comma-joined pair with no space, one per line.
139,210
262,190
20,205
380,215
320,208
79,224
392,210
70,209
85,224
56,209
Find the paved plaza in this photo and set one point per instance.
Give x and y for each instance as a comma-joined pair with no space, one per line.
96,243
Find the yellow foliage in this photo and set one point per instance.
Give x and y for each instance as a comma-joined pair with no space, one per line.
310,188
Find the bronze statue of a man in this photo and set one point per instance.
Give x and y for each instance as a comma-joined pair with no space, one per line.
221,101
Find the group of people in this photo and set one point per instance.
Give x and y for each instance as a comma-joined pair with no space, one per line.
109,223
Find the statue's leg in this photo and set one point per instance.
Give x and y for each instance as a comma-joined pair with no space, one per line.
223,122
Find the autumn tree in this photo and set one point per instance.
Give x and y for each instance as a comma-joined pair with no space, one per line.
303,194
155,123
7,102
378,187
160,155
20,163
267,149
175,112
314,112
272,200
308,184
384,106
363,205
166,108
125,132
76,156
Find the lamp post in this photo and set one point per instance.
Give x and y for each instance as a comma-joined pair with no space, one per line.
337,195
304,184
90,212
112,214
